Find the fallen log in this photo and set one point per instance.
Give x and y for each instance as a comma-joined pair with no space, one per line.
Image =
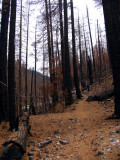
102,96
15,146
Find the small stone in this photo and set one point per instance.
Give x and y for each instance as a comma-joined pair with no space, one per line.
74,134
42,144
71,119
100,127
58,157
4,127
56,132
31,158
47,150
57,143
85,129
70,127
117,131
33,149
119,146
102,138
31,143
47,156
30,153
57,136
100,153
112,133
111,127
63,155
81,134
64,142
48,138
61,121
94,149
112,141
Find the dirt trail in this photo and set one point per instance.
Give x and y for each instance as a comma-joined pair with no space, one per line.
83,130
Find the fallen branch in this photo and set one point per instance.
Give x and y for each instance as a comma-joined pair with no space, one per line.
102,96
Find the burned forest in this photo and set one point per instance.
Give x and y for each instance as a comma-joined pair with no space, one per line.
59,80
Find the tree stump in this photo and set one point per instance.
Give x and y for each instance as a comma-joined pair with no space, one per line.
15,146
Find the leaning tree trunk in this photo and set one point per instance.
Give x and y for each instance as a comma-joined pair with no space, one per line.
91,43
112,24
11,67
3,59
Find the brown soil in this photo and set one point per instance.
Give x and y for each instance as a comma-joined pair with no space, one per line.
83,126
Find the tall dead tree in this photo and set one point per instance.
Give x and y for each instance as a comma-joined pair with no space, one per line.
76,79
54,95
112,23
44,88
81,59
99,51
20,53
11,68
35,68
62,42
26,60
3,60
91,41
48,39
86,51
68,80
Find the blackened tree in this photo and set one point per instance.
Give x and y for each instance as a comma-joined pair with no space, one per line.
68,80
76,79
11,67
112,23
3,59
62,42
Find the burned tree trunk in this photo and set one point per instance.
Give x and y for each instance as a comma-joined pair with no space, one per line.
68,80
76,79
3,60
112,23
11,67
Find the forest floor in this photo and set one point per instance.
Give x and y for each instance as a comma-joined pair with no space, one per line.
82,132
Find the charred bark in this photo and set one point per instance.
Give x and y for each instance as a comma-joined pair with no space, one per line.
3,60
68,80
112,23
11,67
76,79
